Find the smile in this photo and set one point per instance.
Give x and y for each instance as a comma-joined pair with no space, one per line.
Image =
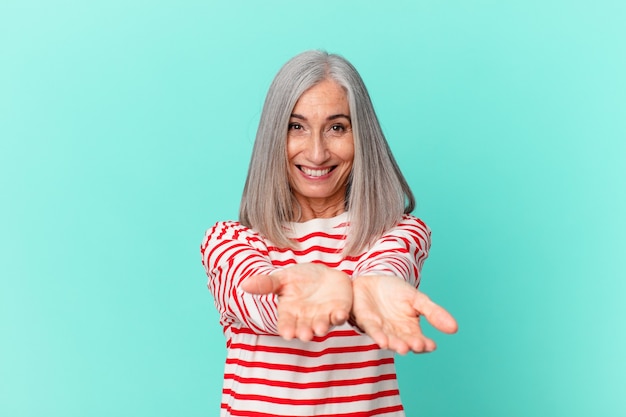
315,172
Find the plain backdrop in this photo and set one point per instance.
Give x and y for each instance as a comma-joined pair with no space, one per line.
125,131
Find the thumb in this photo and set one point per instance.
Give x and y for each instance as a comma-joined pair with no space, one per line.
436,315
261,284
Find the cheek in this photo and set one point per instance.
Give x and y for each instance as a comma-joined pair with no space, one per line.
291,149
346,151
350,155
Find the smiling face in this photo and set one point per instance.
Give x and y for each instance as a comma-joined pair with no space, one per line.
320,150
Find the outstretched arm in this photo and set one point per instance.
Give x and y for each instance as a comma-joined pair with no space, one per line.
311,298
388,309
387,305
231,253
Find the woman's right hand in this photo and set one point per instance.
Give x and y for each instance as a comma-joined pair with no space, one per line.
311,298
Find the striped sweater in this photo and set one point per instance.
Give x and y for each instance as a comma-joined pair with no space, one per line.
341,374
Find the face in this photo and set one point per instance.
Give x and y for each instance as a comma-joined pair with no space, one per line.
320,150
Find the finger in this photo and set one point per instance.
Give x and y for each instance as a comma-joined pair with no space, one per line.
411,338
262,284
376,332
286,325
422,344
321,325
417,341
339,317
436,315
304,330
398,345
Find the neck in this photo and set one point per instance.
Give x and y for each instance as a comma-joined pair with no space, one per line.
313,209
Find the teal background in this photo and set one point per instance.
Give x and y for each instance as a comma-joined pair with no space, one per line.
126,129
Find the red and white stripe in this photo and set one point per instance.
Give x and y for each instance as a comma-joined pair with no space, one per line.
339,375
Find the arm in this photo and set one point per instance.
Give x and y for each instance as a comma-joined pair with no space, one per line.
401,252
230,254
387,304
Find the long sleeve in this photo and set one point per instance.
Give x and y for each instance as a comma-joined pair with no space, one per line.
400,252
343,373
231,253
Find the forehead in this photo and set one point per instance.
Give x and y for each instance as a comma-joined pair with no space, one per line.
325,96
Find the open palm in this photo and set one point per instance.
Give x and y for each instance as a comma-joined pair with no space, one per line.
311,298
388,309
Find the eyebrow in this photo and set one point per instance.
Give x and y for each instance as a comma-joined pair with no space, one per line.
332,117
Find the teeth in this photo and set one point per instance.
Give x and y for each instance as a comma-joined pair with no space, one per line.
315,172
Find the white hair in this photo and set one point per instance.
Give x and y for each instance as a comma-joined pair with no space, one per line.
377,194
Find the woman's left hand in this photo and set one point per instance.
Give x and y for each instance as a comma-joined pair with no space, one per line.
388,309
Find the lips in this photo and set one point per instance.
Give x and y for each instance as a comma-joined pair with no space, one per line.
315,172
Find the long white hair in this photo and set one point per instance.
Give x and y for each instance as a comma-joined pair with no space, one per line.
377,194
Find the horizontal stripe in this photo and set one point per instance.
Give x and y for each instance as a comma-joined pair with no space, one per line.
317,235
341,374
304,352
309,369
371,413
312,401
332,333
309,385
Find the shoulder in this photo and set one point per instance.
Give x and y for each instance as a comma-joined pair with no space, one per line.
223,228
412,223
231,230
412,231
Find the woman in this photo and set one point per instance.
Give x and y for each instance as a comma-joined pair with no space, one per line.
316,283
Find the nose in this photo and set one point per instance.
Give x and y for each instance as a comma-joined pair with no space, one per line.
317,149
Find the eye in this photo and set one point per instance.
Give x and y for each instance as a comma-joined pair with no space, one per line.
337,129
295,126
